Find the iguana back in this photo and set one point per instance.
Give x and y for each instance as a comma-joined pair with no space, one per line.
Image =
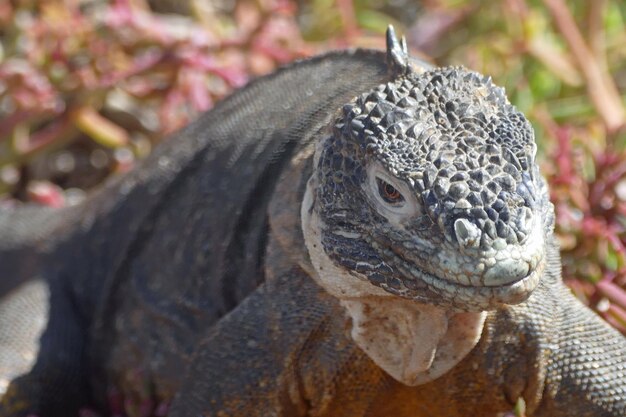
202,249
163,252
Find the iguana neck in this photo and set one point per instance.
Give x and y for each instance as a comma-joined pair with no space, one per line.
414,343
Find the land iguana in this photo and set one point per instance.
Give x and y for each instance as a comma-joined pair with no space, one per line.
358,234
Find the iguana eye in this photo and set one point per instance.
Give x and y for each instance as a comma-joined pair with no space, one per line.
392,197
388,192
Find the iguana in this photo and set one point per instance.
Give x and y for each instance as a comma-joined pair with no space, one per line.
357,234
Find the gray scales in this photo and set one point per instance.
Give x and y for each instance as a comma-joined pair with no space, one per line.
358,234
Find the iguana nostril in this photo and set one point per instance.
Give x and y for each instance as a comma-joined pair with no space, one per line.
467,233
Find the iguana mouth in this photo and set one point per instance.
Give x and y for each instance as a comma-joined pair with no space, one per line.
509,293
414,282
402,269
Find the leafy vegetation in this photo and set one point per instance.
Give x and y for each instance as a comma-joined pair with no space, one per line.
88,87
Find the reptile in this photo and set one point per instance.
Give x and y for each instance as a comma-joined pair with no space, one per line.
356,234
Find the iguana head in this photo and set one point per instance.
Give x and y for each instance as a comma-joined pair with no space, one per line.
428,188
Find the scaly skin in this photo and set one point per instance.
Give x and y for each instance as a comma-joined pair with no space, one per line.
190,282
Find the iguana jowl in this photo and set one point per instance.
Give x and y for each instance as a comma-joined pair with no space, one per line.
399,262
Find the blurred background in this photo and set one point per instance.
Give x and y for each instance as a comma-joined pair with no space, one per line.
89,87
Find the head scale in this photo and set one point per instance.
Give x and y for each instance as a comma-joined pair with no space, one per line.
428,188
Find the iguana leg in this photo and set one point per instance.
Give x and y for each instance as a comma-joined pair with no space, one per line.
55,386
586,375
247,363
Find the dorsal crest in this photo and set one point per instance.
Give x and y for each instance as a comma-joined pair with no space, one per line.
398,61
